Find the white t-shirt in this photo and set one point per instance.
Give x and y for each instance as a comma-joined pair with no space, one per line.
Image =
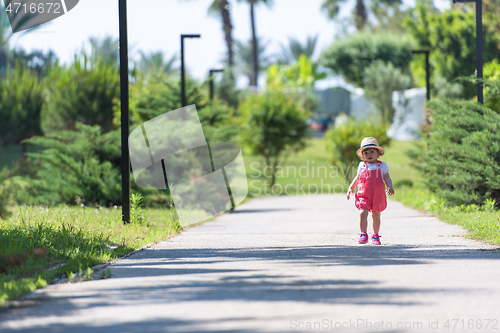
384,168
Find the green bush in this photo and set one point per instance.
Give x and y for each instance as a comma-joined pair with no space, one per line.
21,102
302,73
273,123
350,56
155,94
76,163
380,81
84,93
218,122
461,158
492,85
226,90
344,138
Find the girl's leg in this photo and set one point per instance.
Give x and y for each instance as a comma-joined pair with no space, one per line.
376,222
363,220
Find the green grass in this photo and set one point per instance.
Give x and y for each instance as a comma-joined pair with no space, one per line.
74,239
399,163
306,172
481,223
310,171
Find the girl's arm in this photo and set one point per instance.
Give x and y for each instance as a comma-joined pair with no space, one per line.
388,181
352,186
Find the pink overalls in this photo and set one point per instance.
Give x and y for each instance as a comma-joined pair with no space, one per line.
371,190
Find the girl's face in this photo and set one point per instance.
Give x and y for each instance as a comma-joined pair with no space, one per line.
370,155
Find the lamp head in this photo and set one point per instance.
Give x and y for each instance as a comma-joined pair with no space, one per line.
190,36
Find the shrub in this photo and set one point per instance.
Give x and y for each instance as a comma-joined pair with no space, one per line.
380,81
36,60
461,158
218,122
21,102
344,138
83,93
303,74
226,90
273,123
77,163
492,85
156,94
350,56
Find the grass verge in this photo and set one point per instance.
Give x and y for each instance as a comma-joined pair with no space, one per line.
40,244
481,222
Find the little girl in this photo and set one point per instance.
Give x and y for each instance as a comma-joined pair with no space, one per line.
371,193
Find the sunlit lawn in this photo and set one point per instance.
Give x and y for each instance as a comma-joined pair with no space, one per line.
73,238
310,171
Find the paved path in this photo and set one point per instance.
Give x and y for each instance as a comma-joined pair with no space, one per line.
285,264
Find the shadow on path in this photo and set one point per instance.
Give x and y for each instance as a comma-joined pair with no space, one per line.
214,279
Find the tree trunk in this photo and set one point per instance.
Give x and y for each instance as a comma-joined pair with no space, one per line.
228,28
273,179
255,60
361,15
25,149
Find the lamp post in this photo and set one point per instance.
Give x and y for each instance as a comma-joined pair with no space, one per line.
479,46
183,81
427,71
211,83
125,160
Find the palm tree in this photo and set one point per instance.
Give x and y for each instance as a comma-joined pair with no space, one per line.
222,7
292,52
156,62
360,13
244,57
107,48
255,47
332,8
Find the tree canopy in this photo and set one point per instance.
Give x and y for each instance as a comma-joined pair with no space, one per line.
451,38
351,55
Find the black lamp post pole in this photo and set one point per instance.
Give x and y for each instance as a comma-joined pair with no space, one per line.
479,49
479,46
183,80
125,160
427,71
211,83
